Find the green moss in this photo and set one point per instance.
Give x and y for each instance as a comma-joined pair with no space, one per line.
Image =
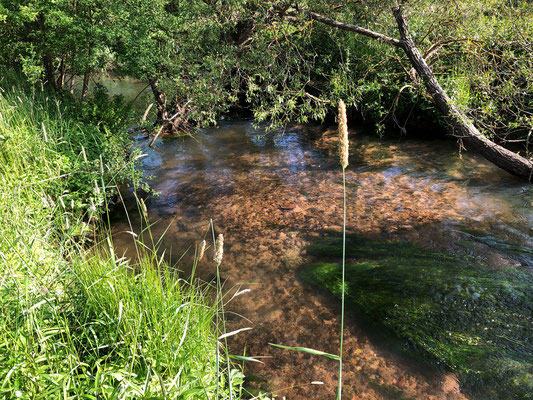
255,385
508,247
465,316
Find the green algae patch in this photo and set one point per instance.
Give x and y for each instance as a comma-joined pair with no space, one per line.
466,317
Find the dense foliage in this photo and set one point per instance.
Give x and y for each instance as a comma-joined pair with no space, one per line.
77,321
204,56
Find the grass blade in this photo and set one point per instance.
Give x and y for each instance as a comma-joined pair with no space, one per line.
307,350
243,358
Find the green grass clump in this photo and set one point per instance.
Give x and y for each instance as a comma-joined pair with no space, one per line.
467,317
78,322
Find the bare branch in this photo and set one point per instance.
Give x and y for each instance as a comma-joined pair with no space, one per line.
354,28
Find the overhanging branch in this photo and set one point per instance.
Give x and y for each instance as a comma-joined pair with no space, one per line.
354,28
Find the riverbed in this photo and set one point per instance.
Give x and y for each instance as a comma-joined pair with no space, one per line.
272,193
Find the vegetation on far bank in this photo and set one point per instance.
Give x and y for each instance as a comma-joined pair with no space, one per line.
201,57
466,317
77,321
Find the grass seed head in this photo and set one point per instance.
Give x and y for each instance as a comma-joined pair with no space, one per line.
219,249
143,208
202,250
83,154
343,135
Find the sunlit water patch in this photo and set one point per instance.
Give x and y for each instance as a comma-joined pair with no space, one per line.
273,193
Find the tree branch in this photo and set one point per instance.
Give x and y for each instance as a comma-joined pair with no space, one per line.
354,28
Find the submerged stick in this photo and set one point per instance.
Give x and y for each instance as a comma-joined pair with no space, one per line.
156,136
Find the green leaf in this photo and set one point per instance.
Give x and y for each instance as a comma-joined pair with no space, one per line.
243,358
307,350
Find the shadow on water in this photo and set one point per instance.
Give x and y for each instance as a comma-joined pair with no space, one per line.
272,194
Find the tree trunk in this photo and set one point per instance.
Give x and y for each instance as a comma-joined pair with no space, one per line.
85,87
60,83
49,70
462,126
48,59
160,100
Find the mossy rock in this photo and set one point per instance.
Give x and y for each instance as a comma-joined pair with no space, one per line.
465,316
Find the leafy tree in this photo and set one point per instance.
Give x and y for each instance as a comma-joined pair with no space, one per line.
279,60
54,38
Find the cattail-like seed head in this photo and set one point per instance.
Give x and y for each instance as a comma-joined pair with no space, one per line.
44,132
143,207
219,249
202,250
343,135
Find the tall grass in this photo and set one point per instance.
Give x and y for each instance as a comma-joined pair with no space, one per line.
344,155
78,321
343,158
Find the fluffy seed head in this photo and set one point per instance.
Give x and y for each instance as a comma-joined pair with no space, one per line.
202,250
101,166
343,135
219,249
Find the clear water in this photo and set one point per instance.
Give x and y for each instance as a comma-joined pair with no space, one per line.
269,193
131,89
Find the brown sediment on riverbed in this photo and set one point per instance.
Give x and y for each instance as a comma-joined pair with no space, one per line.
267,196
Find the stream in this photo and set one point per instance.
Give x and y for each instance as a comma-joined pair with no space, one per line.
270,193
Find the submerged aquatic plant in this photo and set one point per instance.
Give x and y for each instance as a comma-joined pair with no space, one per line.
458,313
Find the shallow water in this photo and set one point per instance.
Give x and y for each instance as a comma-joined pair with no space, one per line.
270,193
131,89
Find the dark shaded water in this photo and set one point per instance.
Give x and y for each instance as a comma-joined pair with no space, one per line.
269,193
131,89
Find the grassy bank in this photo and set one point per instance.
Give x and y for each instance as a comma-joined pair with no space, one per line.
464,316
78,322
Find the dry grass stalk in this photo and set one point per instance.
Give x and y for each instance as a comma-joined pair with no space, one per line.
343,135
202,250
219,249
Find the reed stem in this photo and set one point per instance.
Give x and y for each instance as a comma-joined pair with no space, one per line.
339,391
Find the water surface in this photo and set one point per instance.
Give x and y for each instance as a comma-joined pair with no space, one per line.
270,193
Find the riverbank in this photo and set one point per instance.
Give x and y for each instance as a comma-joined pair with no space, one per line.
78,321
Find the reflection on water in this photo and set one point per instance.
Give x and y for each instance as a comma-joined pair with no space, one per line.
132,89
270,192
